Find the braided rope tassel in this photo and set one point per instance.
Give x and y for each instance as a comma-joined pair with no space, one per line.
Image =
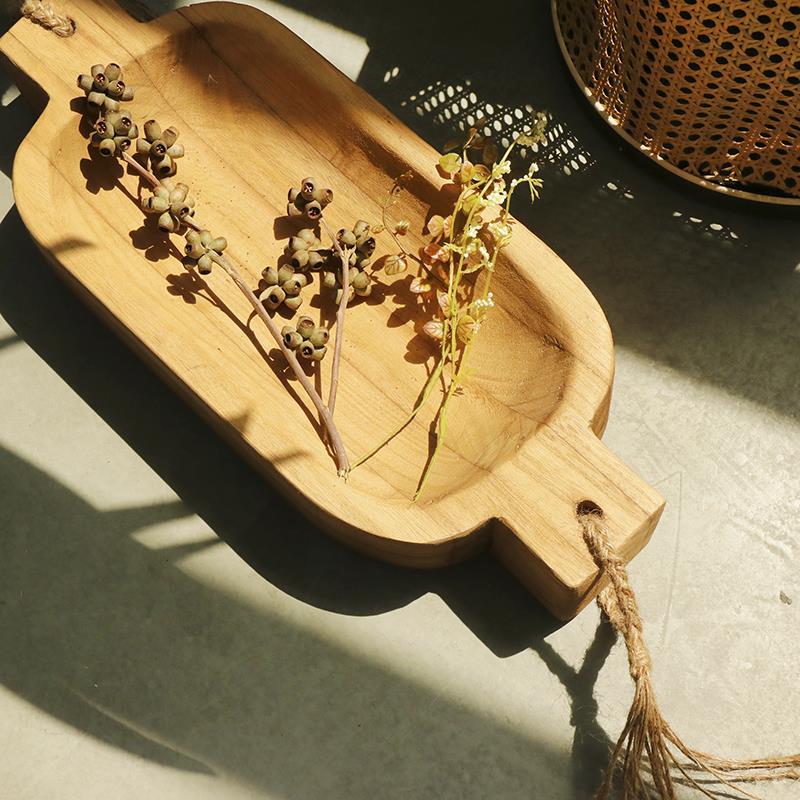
647,738
42,13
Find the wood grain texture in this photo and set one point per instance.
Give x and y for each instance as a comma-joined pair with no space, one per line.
258,109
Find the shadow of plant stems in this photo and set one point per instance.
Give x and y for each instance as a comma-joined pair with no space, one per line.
116,639
184,452
153,645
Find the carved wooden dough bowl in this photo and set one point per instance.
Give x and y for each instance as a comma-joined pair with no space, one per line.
258,109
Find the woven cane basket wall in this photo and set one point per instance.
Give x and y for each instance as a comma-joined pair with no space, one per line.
710,90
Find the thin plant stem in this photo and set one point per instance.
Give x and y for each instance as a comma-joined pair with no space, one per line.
332,432
344,257
424,395
144,173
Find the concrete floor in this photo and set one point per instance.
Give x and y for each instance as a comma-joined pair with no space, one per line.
172,629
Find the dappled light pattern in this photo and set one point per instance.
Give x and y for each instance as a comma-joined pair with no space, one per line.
456,107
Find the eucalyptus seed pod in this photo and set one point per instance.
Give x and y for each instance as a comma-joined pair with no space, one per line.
285,273
158,149
291,338
293,303
170,135
312,210
300,259
360,281
273,297
95,98
152,130
218,244
155,204
111,121
167,223
353,258
323,196
308,235
206,238
115,89
307,186
205,264
362,263
113,71
176,151
194,249
178,193
270,276
143,147
104,128
293,286
315,260
305,326
107,147
180,198
165,167
100,83
293,211
346,238
122,122
319,353
110,104
133,132
329,280
128,94
297,243
360,228
365,292
366,245
123,143
320,336
85,83
180,209
96,69
306,350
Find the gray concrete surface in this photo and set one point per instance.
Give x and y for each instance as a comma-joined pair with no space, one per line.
169,628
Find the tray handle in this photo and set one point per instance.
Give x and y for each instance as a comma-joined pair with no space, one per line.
572,466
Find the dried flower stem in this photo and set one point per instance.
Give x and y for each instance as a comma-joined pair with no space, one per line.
461,312
344,257
326,415
421,400
144,173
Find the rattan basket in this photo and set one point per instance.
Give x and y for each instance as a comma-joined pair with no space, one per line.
709,90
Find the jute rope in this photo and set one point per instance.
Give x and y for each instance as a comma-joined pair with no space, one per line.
42,13
647,743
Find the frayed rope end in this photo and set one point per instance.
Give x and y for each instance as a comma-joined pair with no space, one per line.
647,743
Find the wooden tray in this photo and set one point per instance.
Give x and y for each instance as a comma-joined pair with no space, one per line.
258,109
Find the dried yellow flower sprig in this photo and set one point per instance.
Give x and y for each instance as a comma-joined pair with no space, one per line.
459,263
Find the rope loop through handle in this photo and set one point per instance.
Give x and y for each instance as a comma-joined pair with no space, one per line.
647,742
42,13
